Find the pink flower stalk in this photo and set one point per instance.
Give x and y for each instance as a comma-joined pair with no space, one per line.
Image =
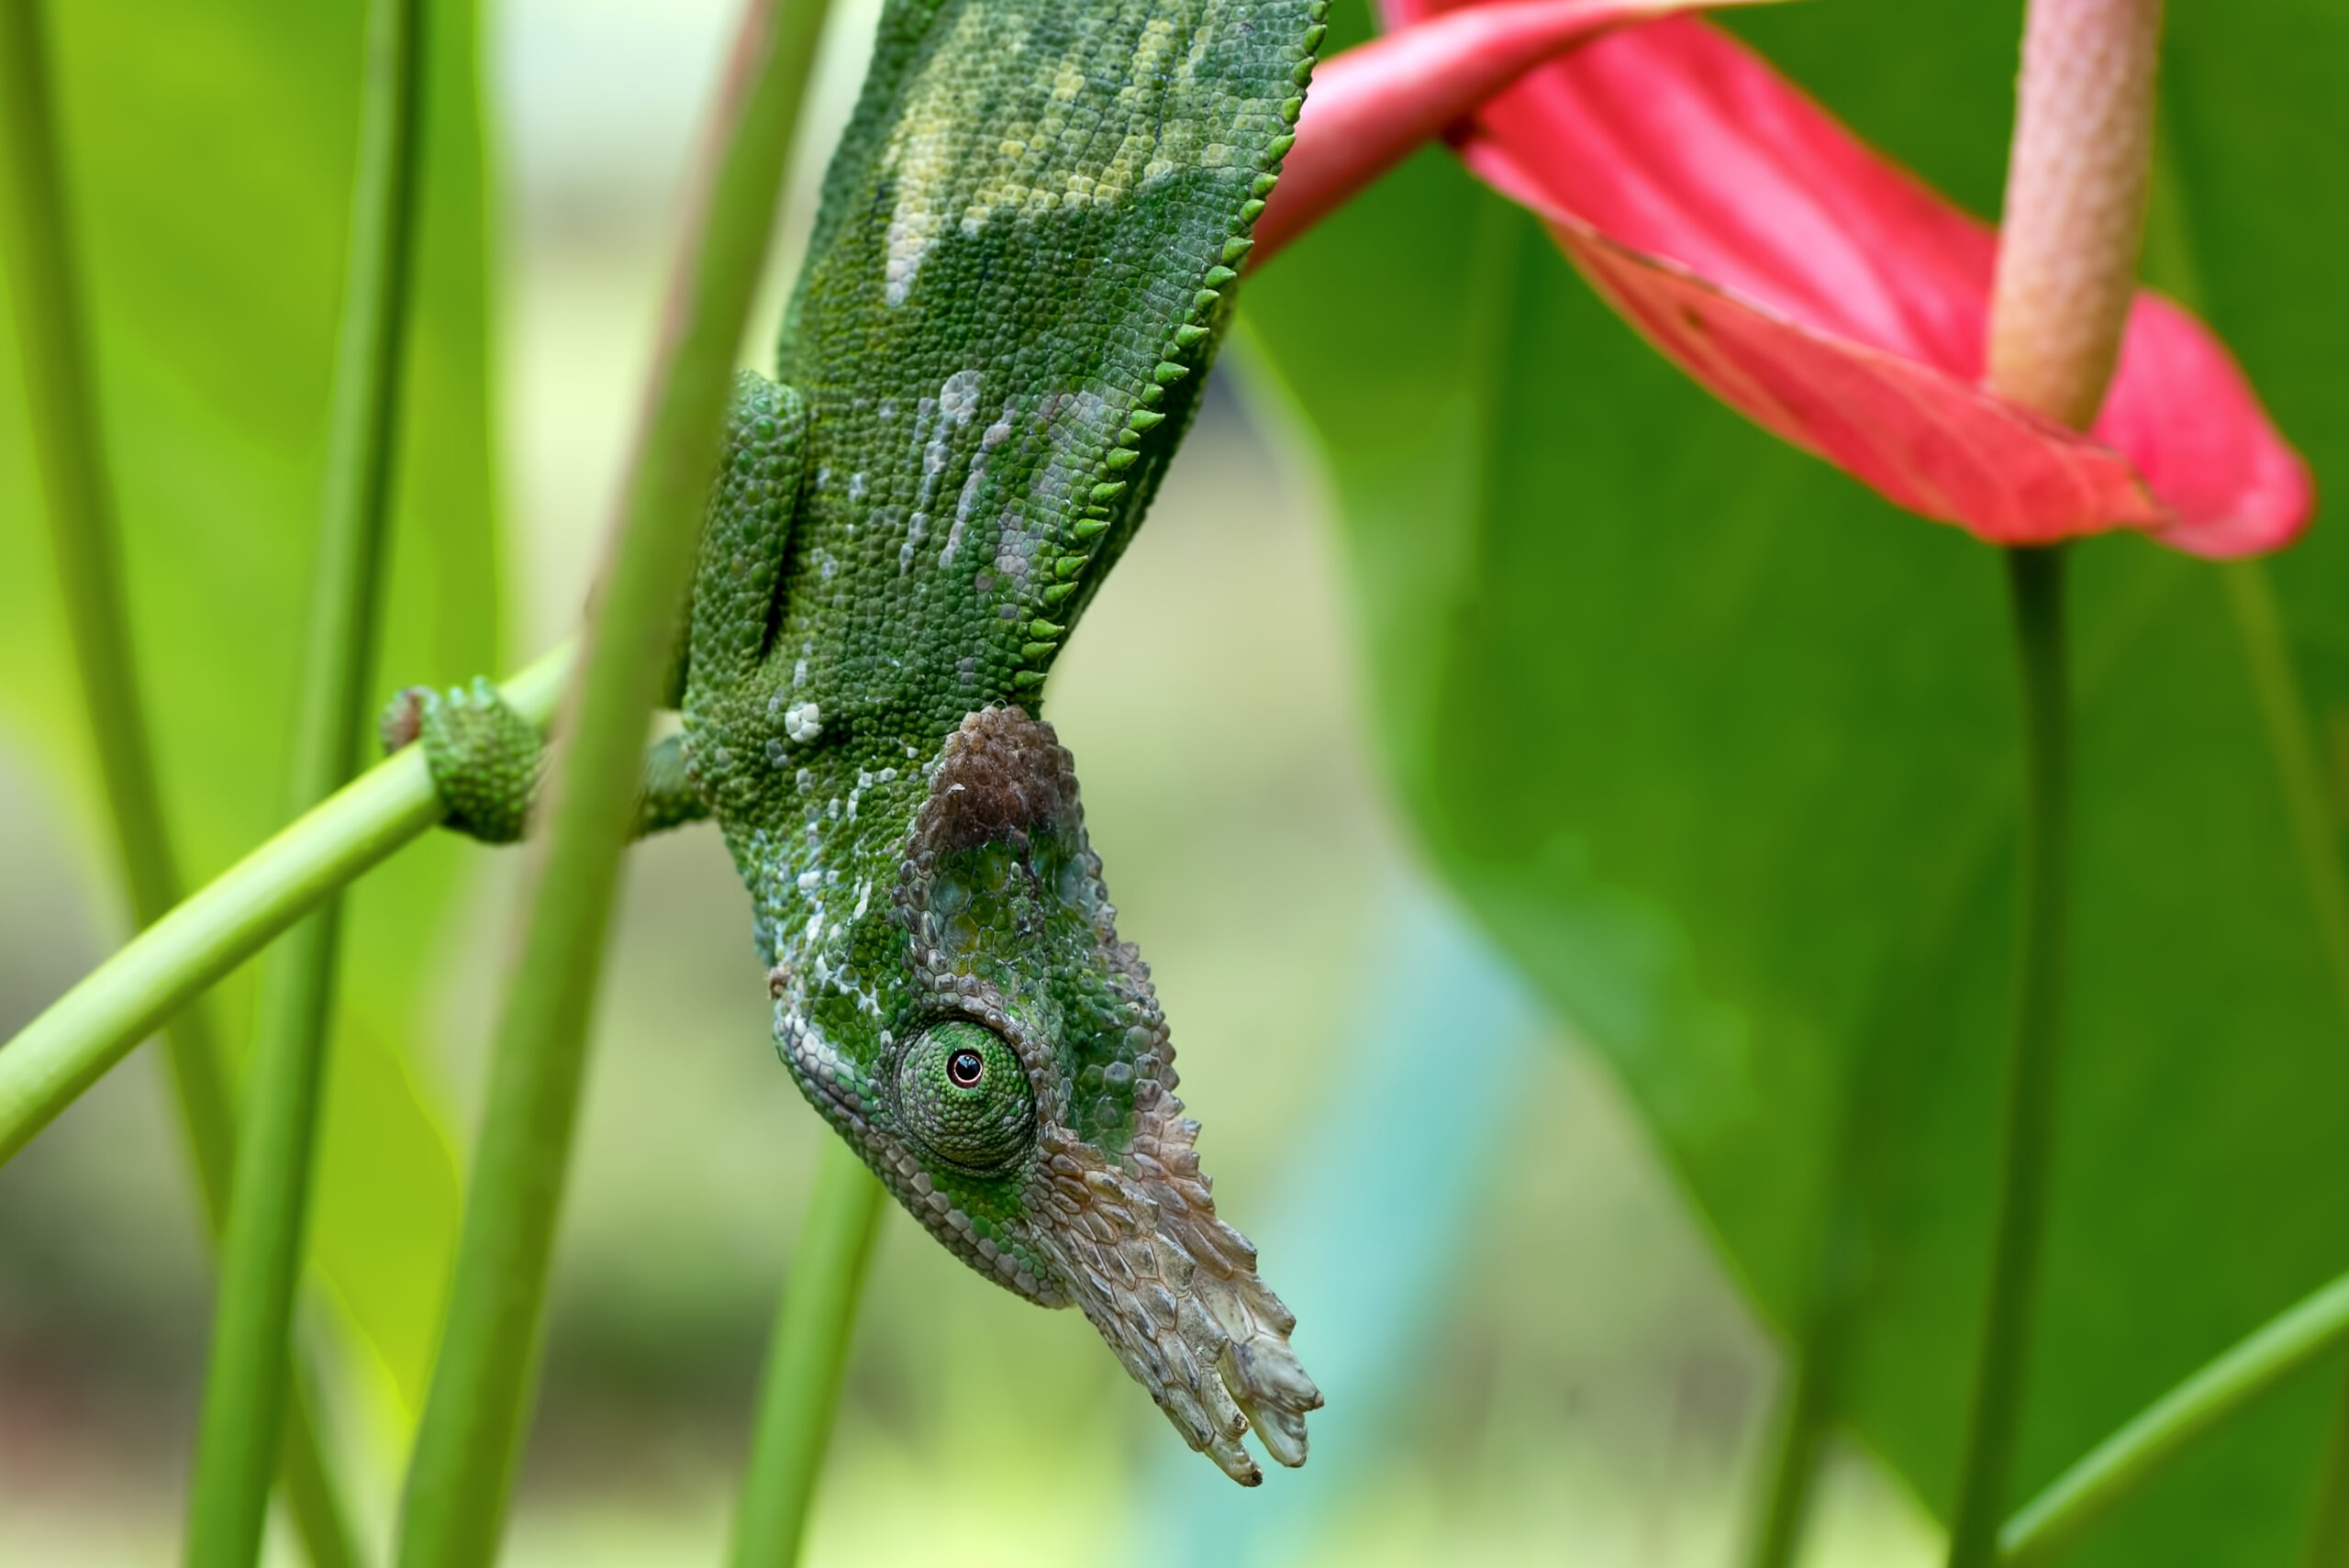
2075,203
1806,281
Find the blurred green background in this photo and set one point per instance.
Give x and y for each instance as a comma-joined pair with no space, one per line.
1565,1373
1715,744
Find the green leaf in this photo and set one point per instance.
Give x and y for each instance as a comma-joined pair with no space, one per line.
1723,750
210,158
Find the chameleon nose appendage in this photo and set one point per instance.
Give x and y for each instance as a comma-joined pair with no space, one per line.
1173,1292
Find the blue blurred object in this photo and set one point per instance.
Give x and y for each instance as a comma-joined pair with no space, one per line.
1370,1219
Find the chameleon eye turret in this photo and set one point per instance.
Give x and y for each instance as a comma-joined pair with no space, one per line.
963,1099
1020,272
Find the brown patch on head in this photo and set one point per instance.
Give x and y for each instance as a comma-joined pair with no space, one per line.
1002,775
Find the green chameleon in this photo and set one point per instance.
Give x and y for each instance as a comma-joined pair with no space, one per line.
1020,269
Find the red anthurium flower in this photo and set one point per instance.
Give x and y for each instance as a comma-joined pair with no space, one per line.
1372,106
1816,288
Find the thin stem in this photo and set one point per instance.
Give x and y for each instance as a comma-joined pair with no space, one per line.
310,1492
1807,1407
805,1359
2074,220
37,233
237,1434
2327,1545
472,1429
1803,1415
2122,1465
68,449
2316,843
61,1053
2036,585
2259,625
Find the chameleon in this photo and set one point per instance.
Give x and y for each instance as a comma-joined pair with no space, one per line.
1022,263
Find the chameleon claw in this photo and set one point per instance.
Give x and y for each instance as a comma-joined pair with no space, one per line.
402,719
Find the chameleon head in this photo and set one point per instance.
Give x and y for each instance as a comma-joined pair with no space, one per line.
1010,1078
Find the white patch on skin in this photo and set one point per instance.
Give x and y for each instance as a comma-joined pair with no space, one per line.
798,677
958,397
966,152
911,229
954,534
803,721
929,146
856,486
994,436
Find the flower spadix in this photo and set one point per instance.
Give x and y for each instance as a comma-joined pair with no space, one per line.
1797,274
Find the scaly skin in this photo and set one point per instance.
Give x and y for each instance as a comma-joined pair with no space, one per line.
1018,276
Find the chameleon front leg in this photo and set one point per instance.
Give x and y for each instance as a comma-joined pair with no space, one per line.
486,760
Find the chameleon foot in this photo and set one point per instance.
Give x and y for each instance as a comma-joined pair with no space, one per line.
484,758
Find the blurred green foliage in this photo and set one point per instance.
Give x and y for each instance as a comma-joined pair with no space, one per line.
209,162
1717,746
1723,749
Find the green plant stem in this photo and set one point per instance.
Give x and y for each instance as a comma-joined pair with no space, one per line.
68,450
2316,842
1794,1462
1814,1363
35,230
53,1059
237,1434
472,1429
2327,1545
805,1359
2120,1466
2036,585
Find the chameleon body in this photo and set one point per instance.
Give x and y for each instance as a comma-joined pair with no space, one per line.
1020,268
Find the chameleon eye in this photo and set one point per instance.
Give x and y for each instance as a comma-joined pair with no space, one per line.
963,1098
